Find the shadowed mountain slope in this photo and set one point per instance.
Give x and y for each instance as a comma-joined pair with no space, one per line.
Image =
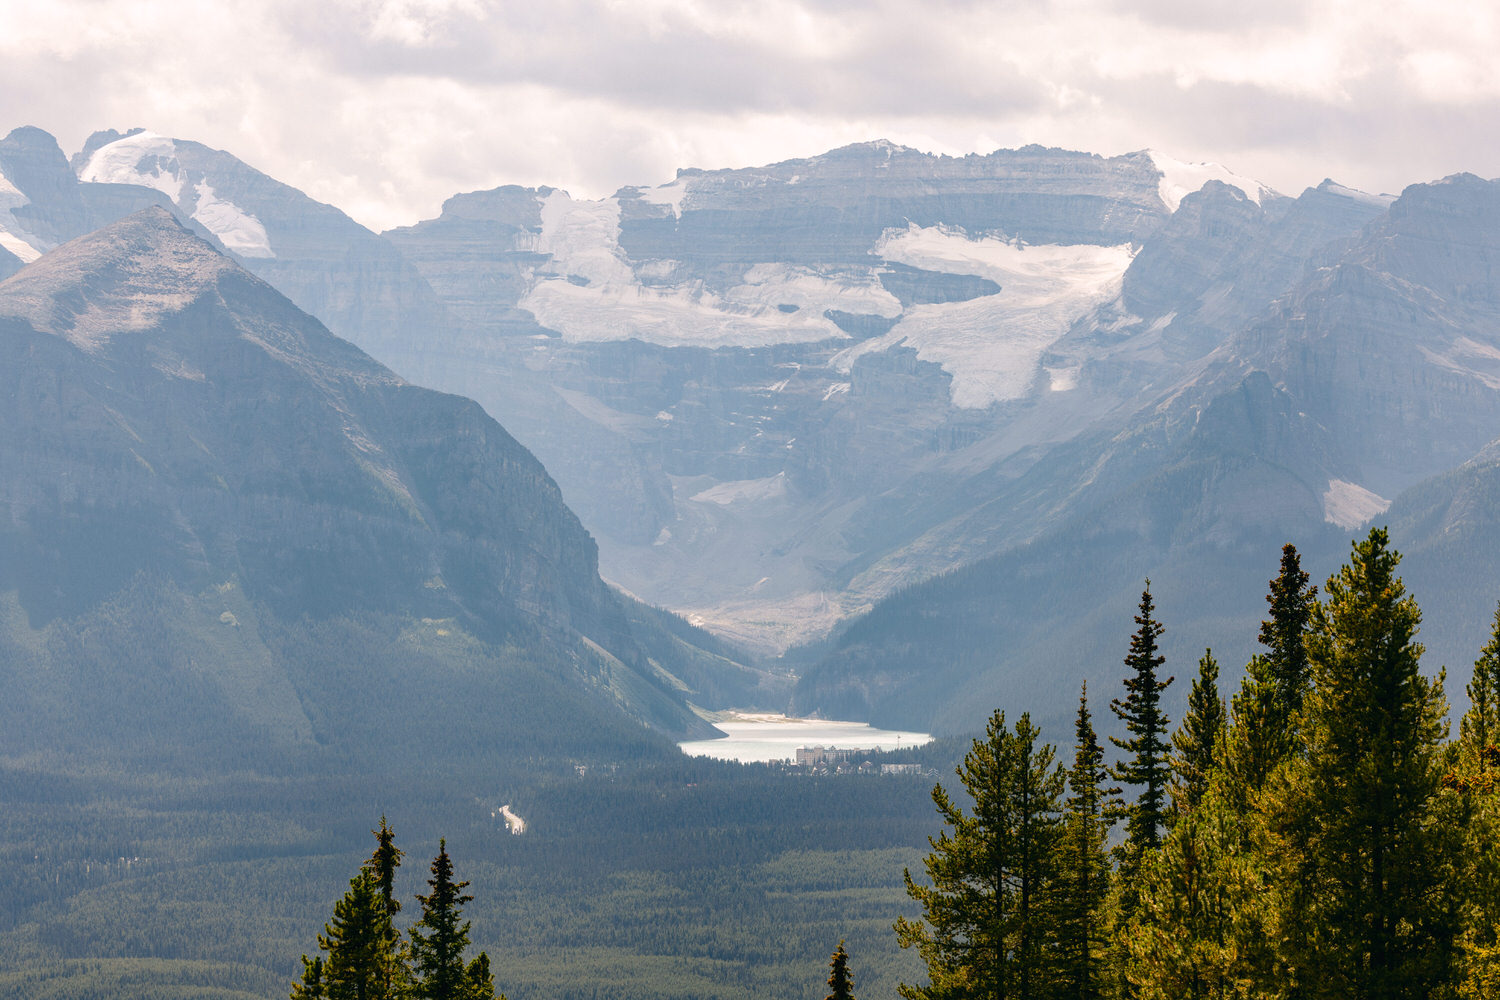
189,457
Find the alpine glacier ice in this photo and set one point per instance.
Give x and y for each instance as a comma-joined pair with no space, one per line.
151,160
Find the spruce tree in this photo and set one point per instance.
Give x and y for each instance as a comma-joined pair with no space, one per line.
1147,765
840,982
1266,709
310,986
1083,867
1199,742
1364,825
986,928
1284,633
360,963
440,937
383,864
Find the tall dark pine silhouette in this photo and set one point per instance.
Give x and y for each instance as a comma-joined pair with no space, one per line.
360,963
1284,633
840,982
383,864
1265,710
440,937
1083,867
1146,764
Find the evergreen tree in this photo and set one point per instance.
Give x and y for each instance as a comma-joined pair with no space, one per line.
1197,896
1147,765
1475,770
1479,730
840,982
1362,819
480,983
1265,710
1083,867
383,864
439,938
357,941
310,986
1199,742
1284,634
986,928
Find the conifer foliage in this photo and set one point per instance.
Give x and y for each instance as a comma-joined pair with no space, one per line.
987,928
1146,764
1083,867
840,982
361,953
1199,743
1361,820
1326,841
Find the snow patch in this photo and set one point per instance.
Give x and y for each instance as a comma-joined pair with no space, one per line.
583,238
151,160
611,303
1063,379
834,389
1349,505
18,247
13,236
237,229
1179,179
1354,194
993,345
145,158
744,491
670,195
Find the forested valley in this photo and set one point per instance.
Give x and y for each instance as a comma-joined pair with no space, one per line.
1315,834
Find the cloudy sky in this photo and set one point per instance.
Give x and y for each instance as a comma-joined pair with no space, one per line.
385,107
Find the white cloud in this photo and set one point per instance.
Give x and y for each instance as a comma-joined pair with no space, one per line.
385,107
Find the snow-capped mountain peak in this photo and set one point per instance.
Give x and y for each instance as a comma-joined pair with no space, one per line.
152,160
1180,179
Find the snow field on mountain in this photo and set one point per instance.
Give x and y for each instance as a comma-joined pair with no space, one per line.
993,345
10,239
237,229
125,161
1349,505
151,160
1181,179
583,239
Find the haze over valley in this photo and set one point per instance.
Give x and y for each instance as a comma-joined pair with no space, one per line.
545,526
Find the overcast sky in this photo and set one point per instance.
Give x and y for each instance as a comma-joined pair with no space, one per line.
386,107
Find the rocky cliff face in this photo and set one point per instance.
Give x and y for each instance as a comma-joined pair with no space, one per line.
171,419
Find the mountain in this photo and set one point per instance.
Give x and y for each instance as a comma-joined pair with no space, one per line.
227,527
781,396
42,204
1373,377
778,394
314,254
